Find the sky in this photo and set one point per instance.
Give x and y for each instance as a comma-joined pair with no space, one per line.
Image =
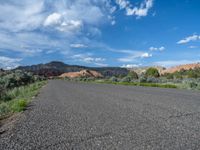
124,33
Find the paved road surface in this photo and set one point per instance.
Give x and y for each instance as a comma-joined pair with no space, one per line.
69,115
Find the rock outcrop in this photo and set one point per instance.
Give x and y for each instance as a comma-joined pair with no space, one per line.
82,73
181,67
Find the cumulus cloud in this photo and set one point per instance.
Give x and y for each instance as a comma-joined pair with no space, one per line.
131,10
9,63
189,39
30,28
57,20
162,48
134,56
53,19
130,66
77,45
50,17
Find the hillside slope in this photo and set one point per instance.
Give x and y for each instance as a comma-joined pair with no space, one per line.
56,68
82,73
181,67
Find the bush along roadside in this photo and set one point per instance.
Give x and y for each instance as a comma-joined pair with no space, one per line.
16,99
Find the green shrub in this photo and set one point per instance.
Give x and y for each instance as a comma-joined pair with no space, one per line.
152,80
142,79
126,79
4,108
193,85
152,72
18,78
18,105
15,100
2,91
133,75
113,79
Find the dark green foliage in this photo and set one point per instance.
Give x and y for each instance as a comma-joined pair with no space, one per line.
133,75
142,79
16,79
113,79
126,79
2,89
152,72
13,79
169,76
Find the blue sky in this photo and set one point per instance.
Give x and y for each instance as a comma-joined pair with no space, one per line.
125,33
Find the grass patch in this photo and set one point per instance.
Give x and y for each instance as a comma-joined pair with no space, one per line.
17,99
140,84
18,105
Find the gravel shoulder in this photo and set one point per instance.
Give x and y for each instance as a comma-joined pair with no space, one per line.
70,115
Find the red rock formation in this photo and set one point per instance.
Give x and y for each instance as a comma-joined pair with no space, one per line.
82,73
179,68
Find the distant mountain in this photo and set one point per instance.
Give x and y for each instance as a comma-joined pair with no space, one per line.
56,68
181,67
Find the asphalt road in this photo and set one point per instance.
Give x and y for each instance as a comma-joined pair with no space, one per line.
69,115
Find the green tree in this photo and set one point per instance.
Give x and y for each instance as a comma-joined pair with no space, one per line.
152,72
133,75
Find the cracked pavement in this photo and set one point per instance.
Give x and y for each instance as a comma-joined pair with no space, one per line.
70,115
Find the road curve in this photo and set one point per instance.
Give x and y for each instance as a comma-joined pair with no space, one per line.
69,115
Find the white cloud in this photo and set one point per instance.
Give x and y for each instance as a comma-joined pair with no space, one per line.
162,48
88,58
189,39
146,55
53,19
170,63
57,20
130,66
140,11
29,28
77,45
134,55
30,44
9,63
21,15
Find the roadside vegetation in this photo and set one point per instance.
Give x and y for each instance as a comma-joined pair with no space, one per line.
16,90
184,79
18,87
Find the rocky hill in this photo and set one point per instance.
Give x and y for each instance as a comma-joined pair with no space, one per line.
56,68
181,67
82,73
